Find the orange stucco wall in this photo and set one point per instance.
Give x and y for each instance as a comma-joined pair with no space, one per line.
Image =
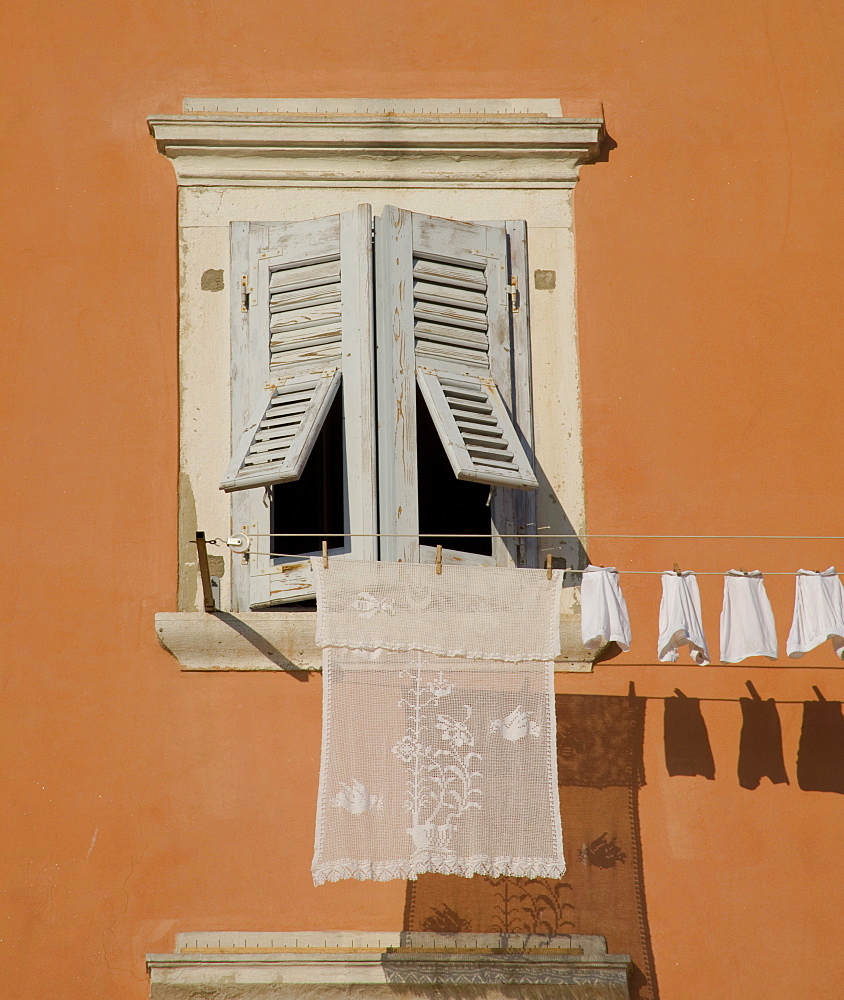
139,801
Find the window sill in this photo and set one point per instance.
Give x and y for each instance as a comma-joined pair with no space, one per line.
279,640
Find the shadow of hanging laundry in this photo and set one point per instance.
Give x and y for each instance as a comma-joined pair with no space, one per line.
687,748
820,754
760,744
600,771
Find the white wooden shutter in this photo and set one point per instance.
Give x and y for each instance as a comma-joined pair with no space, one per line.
292,294
461,329
444,323
302,330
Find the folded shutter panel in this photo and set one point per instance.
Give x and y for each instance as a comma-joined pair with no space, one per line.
277,442
479,438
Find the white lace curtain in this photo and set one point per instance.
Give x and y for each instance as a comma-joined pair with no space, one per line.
439,735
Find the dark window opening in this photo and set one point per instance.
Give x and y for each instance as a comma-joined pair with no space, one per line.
447,504
316,504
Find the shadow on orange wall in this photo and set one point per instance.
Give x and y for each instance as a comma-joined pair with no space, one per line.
820,755
600,771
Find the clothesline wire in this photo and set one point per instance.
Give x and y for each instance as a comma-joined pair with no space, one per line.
567,569
732,701
526,535
349,678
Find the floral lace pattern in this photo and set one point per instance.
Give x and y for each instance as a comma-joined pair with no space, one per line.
443,782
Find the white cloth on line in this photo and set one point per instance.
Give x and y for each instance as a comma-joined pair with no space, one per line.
818,613
603,610
747,619
433,762
483,612
680,619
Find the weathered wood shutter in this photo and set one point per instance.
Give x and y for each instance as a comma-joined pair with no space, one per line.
444,323
302,331
297,314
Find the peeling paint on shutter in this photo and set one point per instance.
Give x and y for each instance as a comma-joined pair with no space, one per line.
308,333
445,323
460,317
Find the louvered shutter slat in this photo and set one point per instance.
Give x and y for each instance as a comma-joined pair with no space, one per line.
309,275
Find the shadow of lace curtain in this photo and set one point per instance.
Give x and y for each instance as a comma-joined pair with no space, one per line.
600,770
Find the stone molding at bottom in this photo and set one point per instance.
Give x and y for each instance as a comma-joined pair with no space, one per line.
335,965
270,640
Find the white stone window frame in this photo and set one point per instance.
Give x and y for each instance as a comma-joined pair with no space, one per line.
268,161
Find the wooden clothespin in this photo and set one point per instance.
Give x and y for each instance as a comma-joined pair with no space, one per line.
677,569
548,566
438,560
324,554
741,569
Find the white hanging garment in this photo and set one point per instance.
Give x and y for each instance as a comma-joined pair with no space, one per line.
680,619
747,619
439,729
603,610
818,613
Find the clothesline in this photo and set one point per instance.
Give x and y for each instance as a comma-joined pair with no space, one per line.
567,569
547,535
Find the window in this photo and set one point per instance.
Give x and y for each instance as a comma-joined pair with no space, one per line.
380,383
292,163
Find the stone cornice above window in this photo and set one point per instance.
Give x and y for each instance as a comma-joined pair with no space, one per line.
379,144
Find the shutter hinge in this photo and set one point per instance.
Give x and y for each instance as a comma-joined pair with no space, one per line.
244,294
513,291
